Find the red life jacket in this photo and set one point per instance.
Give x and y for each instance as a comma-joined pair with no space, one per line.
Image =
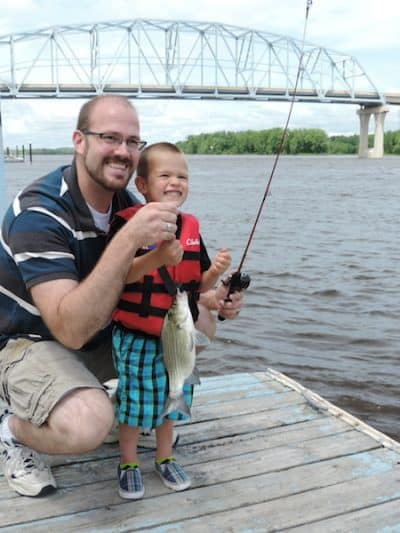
144,303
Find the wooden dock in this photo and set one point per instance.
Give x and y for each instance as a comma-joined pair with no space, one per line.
264,453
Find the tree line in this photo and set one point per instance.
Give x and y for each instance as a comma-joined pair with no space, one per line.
298,141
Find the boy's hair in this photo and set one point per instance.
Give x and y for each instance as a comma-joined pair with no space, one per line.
145,156
83,122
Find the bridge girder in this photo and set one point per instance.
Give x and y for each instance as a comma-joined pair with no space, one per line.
151,58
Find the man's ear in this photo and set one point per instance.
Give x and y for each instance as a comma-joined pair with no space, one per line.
141,185
79,142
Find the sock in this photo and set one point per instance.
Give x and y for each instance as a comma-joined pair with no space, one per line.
164,460
125,466
5,431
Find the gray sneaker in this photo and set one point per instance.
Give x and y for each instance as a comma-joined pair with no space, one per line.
130,483
24,469
172,474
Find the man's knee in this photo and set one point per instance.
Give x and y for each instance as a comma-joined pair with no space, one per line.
83,418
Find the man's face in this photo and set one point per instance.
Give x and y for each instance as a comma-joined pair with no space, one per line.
167,180
109,165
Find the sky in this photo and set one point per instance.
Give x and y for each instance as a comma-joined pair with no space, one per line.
371,34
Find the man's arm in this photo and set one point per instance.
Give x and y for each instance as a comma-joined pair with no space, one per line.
74,312
214,300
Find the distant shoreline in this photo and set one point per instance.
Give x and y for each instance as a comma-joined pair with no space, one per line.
308,141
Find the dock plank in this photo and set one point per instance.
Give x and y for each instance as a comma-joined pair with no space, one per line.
384,517
264,454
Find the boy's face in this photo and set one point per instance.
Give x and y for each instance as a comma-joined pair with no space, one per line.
167,180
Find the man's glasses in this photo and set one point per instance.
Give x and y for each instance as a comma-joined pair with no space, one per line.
114,139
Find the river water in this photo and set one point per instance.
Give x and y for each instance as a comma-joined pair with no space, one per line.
323,304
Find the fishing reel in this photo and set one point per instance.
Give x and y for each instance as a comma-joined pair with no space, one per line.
238,281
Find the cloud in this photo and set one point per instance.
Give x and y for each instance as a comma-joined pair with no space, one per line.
41,123
349,25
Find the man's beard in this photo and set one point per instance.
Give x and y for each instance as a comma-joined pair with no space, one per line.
97,174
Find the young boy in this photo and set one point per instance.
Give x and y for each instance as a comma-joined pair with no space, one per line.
162,176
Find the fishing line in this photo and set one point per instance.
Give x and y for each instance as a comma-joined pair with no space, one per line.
281,142
238,280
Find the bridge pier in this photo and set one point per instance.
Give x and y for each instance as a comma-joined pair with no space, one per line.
365,113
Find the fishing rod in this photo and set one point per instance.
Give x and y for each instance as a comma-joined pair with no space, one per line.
239,280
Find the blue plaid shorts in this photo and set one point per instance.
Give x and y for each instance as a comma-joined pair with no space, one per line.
142,380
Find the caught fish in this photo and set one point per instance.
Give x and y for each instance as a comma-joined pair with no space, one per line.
179,338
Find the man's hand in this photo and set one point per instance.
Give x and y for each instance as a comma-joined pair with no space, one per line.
228,309
154,222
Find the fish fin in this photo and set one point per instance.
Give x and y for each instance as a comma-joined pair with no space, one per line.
201,339
194,378
197,374
176,404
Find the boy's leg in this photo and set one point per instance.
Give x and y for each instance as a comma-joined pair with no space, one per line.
129,475
171,473
164,434
128,440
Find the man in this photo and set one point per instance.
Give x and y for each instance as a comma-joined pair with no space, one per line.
59,283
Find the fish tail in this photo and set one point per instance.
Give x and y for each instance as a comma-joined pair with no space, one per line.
194,378
176,404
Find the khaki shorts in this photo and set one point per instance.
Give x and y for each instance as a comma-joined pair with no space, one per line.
34,376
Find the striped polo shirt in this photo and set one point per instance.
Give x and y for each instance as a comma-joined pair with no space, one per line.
48,233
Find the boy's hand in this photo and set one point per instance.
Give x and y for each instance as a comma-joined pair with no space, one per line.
221,261
170,252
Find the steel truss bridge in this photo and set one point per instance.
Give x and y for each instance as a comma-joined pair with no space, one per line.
177,59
